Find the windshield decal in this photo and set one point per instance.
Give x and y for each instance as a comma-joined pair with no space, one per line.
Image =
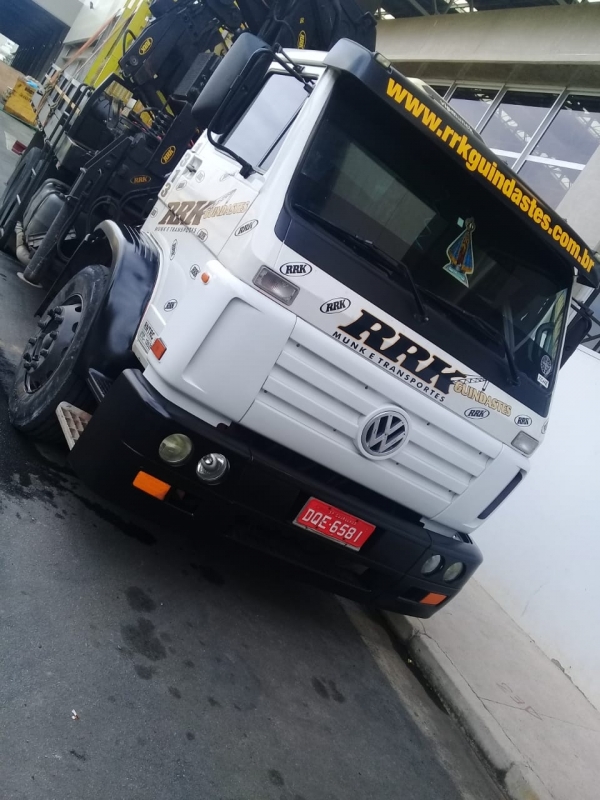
461,262
543,381
546,365
475,161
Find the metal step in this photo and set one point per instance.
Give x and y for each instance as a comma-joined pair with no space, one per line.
73,422
98,384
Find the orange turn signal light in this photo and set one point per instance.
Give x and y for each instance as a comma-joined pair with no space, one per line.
151,485
433,599
159,348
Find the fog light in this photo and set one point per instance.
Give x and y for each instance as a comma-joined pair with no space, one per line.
432,565
176,449
212,468
273,284
454,572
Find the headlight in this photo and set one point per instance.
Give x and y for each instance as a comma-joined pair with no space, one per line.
176,449
525,443
432,565
273,284
454,572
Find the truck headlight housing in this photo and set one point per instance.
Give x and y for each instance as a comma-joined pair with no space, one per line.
176,449
454,572
432,565
278,287
525,443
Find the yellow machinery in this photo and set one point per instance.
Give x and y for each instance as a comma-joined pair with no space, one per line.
18,102
105,47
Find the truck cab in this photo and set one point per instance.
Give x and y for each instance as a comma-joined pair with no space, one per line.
343,320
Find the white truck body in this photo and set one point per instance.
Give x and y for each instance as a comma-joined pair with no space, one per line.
234,354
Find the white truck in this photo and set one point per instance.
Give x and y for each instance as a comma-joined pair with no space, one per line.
342,321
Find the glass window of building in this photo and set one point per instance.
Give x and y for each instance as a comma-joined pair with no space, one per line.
515,121
565,148
551,182
441,90
472,104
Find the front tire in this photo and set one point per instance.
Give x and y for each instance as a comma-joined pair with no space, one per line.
46,375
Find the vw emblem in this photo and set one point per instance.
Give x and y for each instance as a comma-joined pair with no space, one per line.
384,433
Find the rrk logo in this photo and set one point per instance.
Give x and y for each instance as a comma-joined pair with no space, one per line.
523,421
336,305
296,270
477,413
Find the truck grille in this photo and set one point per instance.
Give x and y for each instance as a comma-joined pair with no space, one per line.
316,398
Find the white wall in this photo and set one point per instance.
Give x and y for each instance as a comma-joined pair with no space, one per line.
90,20
542,547
565,34
64,10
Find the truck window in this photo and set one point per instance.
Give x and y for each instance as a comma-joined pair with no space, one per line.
374,176
262,130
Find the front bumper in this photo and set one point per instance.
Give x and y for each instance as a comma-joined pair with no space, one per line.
255,506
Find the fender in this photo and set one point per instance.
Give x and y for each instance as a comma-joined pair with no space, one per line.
133,261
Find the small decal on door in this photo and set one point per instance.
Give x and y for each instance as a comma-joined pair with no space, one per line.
336,305
523,421
246,227
295,270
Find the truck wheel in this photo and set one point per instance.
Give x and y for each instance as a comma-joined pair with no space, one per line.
9,207
46,374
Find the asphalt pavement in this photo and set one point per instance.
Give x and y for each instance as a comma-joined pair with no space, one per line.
139,663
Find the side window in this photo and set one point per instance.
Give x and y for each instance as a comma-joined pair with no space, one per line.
262,130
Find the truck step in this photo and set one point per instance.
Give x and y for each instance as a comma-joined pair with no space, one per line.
98,384
73,422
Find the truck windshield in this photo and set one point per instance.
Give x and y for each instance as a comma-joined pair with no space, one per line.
372,175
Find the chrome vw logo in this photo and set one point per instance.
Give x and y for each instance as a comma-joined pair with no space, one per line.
384,433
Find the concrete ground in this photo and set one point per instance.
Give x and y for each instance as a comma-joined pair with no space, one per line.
531,723
141,664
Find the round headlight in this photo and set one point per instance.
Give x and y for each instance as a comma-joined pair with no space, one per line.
432,565
454,572
176,449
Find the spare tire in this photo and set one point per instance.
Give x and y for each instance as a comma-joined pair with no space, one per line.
9,207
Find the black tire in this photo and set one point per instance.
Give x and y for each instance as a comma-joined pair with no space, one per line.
9,208
53,353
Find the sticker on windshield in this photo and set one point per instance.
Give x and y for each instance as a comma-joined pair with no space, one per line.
460,254
546,365
544,381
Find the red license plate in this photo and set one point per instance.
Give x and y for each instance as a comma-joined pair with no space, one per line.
335,524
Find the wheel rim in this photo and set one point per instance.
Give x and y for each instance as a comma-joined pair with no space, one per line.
46,351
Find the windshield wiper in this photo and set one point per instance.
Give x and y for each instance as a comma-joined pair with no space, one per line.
367,247
495,335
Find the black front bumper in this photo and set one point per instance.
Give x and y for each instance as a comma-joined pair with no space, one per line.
255,506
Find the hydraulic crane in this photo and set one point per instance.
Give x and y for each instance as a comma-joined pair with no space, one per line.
105,151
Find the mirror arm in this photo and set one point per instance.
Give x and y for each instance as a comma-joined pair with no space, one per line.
247,168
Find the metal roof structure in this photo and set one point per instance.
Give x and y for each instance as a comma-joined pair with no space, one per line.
416,8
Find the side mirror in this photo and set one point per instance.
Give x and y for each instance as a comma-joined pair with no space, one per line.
237,79
578,329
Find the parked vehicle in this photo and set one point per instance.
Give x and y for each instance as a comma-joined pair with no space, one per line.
343,321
